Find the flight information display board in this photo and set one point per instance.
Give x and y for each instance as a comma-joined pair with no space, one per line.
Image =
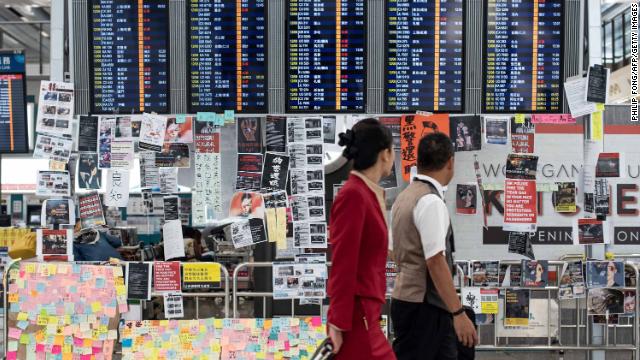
128,54
424,55
523,56
325,56
13,106
227,55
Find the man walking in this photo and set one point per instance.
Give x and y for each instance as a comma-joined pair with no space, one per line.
428,318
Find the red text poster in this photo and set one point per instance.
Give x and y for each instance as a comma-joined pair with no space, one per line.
520,205
412,129
166,276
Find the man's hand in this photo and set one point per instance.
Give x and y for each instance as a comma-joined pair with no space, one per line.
465,330
336,338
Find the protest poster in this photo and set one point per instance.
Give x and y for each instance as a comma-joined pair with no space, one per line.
200,276
535,273
481,300
173,305
106,131
88,133
496,129
117,193
53,183
299,280
58,212
52,148
564,199
517,307
412,129
275,172
166,276
89,175
466,132
54,245
90,210
138,280
485,273
520,210
173,155
572,284
522,135
152,132
466,199
249,131
520,166
55,108
179,129
591,231
172,239
276,130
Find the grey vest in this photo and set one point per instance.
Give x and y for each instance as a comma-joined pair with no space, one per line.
413,282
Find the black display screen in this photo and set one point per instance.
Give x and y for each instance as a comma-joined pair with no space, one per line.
523,56
424,55
129,57
13,113
326,56
227,55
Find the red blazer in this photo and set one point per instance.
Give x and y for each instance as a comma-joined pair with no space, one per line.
359,242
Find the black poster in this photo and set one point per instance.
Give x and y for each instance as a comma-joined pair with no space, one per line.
249,135
250,163
520,166
89,175
391,181
139,281
520,243
275,171
170,208
277,134
597,84
88,134
173,155
258,232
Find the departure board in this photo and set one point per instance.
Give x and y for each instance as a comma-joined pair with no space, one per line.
523,56
128,53
227,55
13,113
424,55
326,48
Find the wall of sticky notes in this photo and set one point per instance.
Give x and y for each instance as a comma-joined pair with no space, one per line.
64,309
278,338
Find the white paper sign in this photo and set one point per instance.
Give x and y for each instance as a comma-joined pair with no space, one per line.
117,193
173,240
121,154
152,132
173,305
54,148
576,90
55,108
53,183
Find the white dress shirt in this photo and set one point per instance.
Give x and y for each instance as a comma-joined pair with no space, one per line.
431,218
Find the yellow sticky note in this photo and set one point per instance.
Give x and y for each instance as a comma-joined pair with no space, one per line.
600,106
217,323
96,306
597,128
30,268
117,271
52,320
42,320
53,269
519,119
13,297
22,316
66,348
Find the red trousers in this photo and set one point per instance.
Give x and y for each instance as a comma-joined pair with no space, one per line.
365,341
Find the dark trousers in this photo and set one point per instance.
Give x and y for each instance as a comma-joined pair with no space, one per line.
422,332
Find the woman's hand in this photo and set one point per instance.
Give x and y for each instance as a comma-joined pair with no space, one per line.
335,335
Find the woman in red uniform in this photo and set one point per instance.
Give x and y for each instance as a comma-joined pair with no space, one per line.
359,239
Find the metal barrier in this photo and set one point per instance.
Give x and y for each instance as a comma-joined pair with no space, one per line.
583,321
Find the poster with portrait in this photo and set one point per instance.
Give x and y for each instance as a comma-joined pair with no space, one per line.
466,199
106,131
605,274
246,204
249,134
152,132
485,273
535,273
604,301
466,132
55,108
521,166
179,129
412,129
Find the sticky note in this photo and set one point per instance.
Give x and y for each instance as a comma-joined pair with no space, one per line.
14,333
600,106
24,339
597,126
12,346
519,119
14,297
229,116
206,116
181,118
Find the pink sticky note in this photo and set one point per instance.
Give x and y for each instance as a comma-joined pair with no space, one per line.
56,349
12,355
14,333
316,321
77,342
85,357
286,346
39,348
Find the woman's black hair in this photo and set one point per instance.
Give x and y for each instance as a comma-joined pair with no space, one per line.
364,142
245,196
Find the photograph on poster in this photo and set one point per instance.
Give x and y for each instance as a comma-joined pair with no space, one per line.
466,199
605,274
246,204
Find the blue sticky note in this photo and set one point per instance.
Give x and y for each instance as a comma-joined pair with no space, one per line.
229,115
219,120
22,324
205,116
100,283
14,307
181,118
40,287
126,343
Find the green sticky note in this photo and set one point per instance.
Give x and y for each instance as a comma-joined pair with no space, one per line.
12,346
206,116
181,118
24,339
229,116
519,119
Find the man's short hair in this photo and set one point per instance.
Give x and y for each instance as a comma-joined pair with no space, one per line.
434,152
